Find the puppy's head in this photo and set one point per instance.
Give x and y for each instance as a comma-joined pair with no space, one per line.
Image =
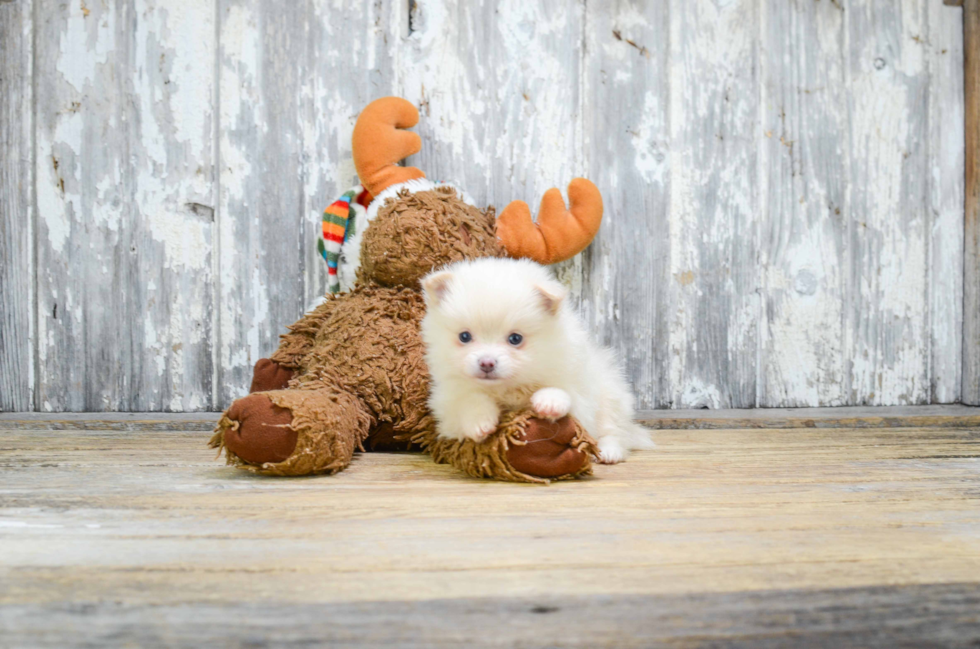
494,321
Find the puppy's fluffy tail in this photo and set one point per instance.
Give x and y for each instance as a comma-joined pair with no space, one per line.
637,436
615,416
618,422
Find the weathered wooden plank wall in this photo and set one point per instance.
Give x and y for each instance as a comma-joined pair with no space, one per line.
627,126
16,207
946,137
293,78
971,262
125,183
803,238
784,183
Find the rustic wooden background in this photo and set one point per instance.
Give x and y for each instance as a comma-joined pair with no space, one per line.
783,181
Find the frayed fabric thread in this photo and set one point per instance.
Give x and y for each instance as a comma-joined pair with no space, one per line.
488,459
358,358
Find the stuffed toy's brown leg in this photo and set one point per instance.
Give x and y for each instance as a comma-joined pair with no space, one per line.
551,449
270,375
525,448
297,343
293,432
258,434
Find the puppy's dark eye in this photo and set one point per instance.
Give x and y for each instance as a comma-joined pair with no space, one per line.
465,337
515,339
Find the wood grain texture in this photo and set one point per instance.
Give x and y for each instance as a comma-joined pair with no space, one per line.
498,87
113,537
804,206
16,206
884,616
715,181
944,416
125,204
128,421
628,145
886,339
856,417
945,206
293,79
783,184
971,262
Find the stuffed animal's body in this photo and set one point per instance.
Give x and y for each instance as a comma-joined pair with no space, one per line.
351,373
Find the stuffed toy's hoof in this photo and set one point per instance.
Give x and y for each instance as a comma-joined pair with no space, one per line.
292,432
525,448
548,450
269,375
260,430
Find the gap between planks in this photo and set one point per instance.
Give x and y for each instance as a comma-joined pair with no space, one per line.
941,416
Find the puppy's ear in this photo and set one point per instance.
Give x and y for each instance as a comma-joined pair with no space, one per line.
552,294
435,287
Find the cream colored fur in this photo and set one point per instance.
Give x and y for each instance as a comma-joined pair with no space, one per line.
555,368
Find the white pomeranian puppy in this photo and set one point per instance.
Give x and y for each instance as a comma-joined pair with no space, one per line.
499,334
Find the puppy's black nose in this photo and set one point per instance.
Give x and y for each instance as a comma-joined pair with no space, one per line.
487,365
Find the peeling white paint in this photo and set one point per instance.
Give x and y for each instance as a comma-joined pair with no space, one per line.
946,196
433,73
85,44
650,157
714,189
124,148
889,356
186,241
190,70
698,394
259,317
18,267
58,183
730,162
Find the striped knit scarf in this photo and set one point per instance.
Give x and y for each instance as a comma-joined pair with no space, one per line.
338,226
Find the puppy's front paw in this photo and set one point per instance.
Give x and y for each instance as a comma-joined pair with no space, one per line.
612,451
478,429
551,403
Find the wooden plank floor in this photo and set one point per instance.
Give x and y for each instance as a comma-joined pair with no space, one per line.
755,537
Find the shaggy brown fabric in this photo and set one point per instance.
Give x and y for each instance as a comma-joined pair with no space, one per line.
329,427
269,375
260,433
490,458
297,343
358,373
415,233
383,439
369,345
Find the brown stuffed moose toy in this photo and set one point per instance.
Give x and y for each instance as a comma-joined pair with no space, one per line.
350,375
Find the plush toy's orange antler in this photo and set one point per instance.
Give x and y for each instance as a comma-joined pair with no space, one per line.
379,143
559,233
